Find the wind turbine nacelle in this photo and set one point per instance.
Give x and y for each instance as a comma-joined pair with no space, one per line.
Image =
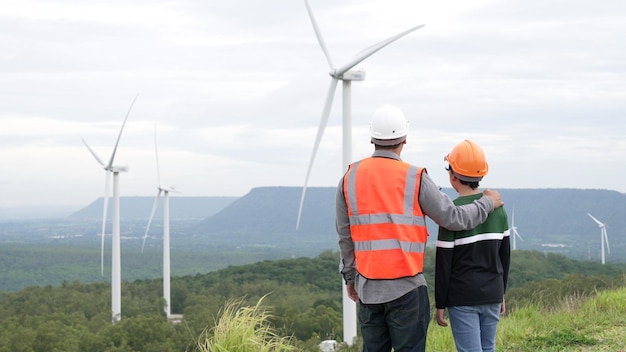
169,189
353,75
119,168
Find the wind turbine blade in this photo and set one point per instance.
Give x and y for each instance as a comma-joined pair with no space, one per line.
156,152
93,153
154,208
320,132
120,134
596,220
372,49
105,204
318,34
517,233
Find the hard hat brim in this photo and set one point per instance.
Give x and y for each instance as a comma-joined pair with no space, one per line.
388,142
466,178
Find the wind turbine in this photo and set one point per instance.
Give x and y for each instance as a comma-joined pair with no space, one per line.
166,230
346,75
116,272
514,229
603,236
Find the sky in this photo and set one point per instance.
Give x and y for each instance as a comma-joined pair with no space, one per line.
234,91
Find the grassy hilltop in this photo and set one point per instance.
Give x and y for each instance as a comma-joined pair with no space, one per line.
554,304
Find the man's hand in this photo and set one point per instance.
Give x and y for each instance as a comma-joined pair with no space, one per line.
352,292
495,197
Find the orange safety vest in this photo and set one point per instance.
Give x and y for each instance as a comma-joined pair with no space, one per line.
387,225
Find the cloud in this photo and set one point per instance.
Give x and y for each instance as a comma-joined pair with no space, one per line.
236,89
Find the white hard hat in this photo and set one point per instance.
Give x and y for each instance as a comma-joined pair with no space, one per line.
388,126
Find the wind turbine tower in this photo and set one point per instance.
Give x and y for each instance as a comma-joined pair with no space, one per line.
166,232
346,75
603,236
116,269
514,232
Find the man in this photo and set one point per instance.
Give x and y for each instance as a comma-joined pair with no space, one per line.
381,207
472,266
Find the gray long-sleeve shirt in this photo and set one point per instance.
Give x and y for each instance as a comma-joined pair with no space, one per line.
435,204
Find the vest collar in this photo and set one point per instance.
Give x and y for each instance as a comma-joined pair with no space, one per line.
386,154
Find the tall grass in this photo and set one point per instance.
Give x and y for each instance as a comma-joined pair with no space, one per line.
579,323
243,329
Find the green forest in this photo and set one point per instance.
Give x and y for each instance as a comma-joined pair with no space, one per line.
303,295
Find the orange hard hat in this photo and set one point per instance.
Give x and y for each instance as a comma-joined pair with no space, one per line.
468,161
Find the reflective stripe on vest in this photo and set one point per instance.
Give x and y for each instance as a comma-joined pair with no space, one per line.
387,226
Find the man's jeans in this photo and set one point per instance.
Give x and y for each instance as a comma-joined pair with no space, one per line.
474,327
401,324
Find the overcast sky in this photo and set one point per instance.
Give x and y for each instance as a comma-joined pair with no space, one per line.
236,90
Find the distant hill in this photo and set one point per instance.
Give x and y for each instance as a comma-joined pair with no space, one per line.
537,211
274,210
552,220
266,218
181,208
547,219
564,211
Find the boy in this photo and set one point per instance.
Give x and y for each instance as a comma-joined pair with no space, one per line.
472,266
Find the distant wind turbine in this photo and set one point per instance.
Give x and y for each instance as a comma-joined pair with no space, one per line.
166,230
116,272
514,229
346,75
603,236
